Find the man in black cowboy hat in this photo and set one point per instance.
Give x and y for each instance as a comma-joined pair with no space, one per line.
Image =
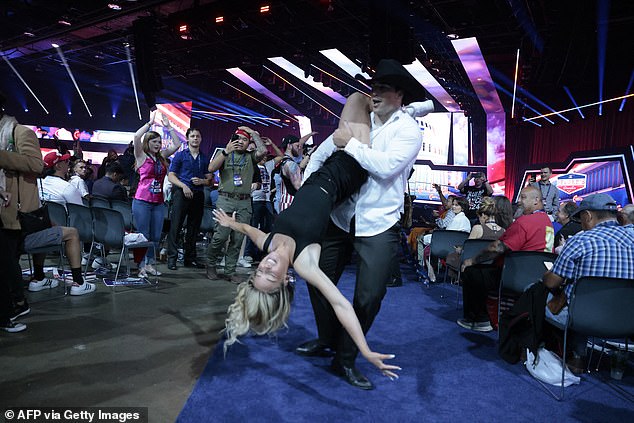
368,223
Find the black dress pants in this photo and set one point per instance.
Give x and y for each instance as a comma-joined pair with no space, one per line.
375,256
477,281
193,209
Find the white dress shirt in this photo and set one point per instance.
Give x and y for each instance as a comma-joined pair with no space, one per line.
379,203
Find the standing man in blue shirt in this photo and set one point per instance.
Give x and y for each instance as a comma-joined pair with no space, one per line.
188,175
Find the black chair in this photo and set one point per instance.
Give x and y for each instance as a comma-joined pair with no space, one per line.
207,224
470,249
522,269
125,208
98,201
57,213
443,242
109,230
80,218
600,307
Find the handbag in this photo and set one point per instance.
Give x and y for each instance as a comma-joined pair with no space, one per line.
33,221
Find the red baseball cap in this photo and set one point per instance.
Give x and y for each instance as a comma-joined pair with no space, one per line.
54,157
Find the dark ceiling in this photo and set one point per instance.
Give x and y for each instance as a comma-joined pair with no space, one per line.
560,43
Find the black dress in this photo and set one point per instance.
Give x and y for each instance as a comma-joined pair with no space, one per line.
306,219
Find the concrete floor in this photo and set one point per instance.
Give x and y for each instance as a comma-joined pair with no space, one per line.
141,347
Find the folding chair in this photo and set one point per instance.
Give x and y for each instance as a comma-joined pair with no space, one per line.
470,249
109,230
125,208
600,307
98,201
442,243
57,215
207,224
80,218
522,269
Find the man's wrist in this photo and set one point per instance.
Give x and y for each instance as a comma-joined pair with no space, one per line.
224,153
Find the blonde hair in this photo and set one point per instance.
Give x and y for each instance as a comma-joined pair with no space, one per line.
257,311
487,206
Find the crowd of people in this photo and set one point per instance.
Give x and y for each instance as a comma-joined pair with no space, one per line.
310,209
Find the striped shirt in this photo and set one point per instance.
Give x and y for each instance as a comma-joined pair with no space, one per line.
607,250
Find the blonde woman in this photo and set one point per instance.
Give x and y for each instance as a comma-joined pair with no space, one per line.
148,206
263,302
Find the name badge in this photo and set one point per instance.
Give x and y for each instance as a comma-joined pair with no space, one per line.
237,180
155,187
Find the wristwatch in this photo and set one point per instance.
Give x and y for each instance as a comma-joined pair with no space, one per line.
224,153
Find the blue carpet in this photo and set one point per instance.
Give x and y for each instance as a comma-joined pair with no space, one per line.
449,374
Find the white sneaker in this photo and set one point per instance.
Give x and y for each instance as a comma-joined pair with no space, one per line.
85,288
420,108
150,270
35,286
248,259
142,273
243,263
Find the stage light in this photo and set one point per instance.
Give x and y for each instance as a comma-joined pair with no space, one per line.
265,9
220,19
581,107
26,110
64,22
114,116
114,6
70,113
573,101
23,81
28,34
72,78
627,91
517,65
183,28
54,45
136,95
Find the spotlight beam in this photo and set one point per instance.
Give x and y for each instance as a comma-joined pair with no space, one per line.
581,107
298,89
517,64
136,94
603,14
340,80
24,82
627,91
236,115
259,101
574,101
70,73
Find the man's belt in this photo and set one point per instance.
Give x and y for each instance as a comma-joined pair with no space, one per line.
234,196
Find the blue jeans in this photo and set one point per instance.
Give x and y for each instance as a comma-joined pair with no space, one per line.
148,219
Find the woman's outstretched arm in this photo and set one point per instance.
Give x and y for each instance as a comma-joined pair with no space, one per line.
257,236
307,266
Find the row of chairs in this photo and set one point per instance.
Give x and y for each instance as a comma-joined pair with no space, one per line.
599,307
106,226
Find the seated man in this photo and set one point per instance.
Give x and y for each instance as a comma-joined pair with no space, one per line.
55,187
109,186
533,231
604,249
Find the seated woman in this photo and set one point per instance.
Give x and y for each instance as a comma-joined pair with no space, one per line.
263,302
488,227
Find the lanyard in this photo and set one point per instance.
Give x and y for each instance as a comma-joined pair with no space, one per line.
545,197
240,164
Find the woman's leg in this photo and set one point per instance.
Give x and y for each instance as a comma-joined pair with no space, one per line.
142,217
156,225
356,117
